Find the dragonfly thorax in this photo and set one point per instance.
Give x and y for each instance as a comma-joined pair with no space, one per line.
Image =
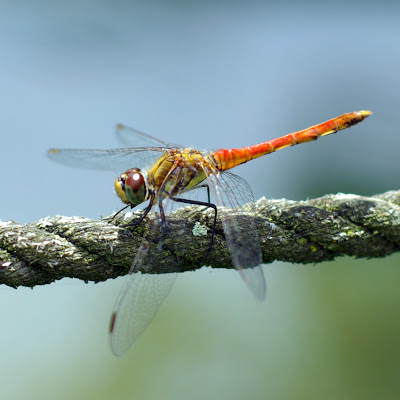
131,187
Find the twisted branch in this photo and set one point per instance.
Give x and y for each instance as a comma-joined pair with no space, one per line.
295,231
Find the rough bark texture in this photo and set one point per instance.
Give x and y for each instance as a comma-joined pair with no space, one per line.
295,231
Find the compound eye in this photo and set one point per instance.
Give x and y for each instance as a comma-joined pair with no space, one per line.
135,181
131,187
135,187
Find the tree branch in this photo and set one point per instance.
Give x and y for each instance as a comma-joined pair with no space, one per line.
295,231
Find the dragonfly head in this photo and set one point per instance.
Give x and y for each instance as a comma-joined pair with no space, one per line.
131,187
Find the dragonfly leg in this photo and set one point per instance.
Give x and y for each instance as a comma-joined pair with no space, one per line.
163,220
206,204
110,219
142,217
208,191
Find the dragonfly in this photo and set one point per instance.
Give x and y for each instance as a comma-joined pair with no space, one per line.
162,174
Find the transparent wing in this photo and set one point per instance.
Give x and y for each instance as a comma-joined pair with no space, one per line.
117,160
131,137
136,307
140,297
143,294
142,150
235,203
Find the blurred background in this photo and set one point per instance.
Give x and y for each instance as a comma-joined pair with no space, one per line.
208,74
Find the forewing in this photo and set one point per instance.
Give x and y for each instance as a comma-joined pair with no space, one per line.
117,160
131,137
136,307
140,297
234,193
143,294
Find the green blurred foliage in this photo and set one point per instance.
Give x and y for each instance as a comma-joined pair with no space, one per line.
328,331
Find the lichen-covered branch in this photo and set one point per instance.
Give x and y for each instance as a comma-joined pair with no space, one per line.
295,231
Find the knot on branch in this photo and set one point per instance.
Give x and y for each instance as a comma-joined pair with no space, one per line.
296,231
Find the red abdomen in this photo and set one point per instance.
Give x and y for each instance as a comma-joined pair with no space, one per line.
229,158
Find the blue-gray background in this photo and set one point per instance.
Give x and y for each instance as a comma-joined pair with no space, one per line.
207,74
